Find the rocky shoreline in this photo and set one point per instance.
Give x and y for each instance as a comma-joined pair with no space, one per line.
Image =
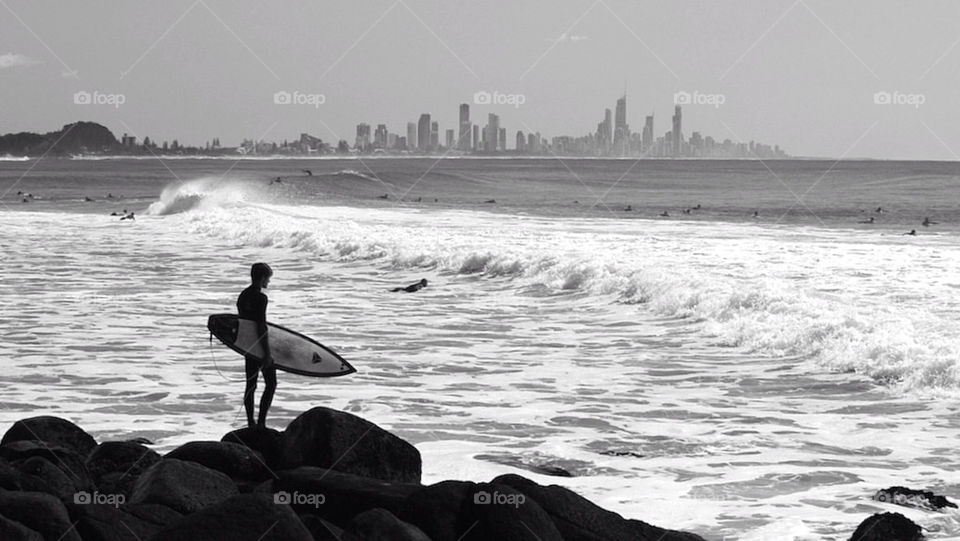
329,475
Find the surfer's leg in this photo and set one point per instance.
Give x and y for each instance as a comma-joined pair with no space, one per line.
270,379
252,369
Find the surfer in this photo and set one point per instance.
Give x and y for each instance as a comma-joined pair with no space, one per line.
252,307
867,221
927,222
412,287
756,214
912,232
129,217
664,214
308,172
277,180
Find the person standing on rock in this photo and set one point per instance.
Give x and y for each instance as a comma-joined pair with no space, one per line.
252,337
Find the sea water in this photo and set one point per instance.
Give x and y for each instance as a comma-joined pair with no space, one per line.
742,377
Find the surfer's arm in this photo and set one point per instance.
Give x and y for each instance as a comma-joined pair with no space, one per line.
264,334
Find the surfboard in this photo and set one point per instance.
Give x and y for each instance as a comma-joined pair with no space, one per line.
292,352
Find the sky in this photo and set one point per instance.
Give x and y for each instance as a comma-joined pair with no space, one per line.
873,79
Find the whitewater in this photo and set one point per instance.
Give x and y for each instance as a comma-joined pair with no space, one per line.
743,380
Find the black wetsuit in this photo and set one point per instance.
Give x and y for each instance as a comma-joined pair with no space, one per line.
252,305
410,288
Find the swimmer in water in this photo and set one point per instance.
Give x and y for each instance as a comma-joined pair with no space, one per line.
129,217
385,196
927,222
411,288
879,209
912,232
87,199
697,207
867,221
756,214
308,172
664,214
629,208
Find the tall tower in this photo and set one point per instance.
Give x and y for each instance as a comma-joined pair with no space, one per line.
493,133
423,133
621,131
465,129
677,134
411,135
647,141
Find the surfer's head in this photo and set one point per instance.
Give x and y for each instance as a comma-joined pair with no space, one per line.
423,282
260,274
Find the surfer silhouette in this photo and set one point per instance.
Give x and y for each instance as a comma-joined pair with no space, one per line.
252,312
411,288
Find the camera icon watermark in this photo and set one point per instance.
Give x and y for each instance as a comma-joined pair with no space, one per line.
482,97
698,98
96,498
896,97
96,97
283,97
298,498
483,497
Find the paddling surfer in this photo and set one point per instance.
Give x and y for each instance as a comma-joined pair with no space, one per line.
412,287
252,332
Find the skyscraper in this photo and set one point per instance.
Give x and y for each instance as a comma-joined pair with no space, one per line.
492,133
434,135
449,139
647,135
380,136
520,141
363,136
502,139
411,135
423,133
465,130
621,131
677,133
476,137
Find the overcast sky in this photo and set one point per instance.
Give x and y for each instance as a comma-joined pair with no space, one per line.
802,74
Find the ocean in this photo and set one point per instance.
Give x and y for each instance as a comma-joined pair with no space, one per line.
743,376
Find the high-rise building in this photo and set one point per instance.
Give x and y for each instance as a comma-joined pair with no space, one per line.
531,143
491,133
465,130
502,139
363,136
434,135
520,141
647,142
449,139
380,136
476,137
423,133
677,131
621,131
411,135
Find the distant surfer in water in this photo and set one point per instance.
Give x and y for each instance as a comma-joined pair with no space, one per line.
867,221
130,216
912,232
411,288
927,222
252,311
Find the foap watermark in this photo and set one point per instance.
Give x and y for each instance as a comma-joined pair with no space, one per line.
298,498
899,98
698,98
496,498
98,98
482,97
97,498
282,97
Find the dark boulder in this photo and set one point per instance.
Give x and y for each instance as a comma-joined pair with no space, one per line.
41,512
887,527
334,439
65,459
322,530
909,497
246,517
53,431
12,478
183,486
115,465
266,441
382,525
459,510
11,530
55,480
126,523
237,461
337,496
578,519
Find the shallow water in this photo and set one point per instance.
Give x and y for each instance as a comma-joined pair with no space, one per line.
749,380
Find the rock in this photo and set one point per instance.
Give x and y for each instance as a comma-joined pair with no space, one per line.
333,439
382,525
183,486
65,459
266,441
252,517
237,461
39,511
578,519
909,497
343,495
126,523
11,530
52,431
56,481
320,529
459,510
11,478
887,527
115,465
